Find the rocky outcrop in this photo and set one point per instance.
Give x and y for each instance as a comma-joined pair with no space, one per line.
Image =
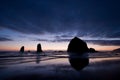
77,45
92,50
39,49
22,49
116,50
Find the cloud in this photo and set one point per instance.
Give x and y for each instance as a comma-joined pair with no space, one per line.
54,40
5,39
41,40
105,42
86,18
97,42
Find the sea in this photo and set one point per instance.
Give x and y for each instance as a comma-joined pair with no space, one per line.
55,65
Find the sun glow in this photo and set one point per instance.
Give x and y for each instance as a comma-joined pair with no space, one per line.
103,48
32,45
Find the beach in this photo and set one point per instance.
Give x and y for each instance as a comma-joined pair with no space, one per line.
56,66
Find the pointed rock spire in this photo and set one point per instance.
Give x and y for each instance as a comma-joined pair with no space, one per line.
22,49
39,49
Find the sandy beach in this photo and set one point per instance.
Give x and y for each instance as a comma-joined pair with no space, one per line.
57,67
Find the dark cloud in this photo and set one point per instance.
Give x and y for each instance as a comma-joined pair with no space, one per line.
62,40
5,39
54,40
115,35
105,42
86,17
41,40
97,42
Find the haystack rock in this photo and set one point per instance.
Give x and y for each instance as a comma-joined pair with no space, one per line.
22,49
77,45
78,53
39,49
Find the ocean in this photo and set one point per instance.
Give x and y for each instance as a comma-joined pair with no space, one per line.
55,65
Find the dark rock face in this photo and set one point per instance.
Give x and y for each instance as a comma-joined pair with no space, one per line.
22,49
77,45
78,56
79,63
116,50
39,49
92,50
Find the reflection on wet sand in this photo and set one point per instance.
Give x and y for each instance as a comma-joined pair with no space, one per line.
58,67
78,61
38,58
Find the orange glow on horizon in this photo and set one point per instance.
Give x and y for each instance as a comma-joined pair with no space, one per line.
103,48
50,46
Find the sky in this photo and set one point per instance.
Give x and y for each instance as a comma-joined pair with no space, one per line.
53,23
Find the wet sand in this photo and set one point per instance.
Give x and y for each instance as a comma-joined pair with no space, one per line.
57,67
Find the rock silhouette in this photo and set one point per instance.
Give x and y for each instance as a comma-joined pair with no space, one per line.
39,49
116,50
77,45
78,57
79,63
92,50
22,49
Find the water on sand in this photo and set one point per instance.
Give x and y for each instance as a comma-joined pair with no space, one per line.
57,67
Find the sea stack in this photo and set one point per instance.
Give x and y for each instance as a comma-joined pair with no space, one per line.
92,50
78,53
39,49
77,45
22,49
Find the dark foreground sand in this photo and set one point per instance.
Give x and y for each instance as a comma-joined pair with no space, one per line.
51,68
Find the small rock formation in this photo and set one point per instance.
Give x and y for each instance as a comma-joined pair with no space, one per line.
116,50
92,50
29,51
78,56
39,49
22,49
77,45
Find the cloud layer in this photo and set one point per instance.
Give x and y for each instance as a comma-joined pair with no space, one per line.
5,39
105,42
85,17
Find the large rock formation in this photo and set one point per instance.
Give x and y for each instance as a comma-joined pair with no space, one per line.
78,56
22,49
39,49
77,45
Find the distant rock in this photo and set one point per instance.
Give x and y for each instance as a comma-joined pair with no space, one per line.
92,50
77,45
39,49
29,51
116,50
22,49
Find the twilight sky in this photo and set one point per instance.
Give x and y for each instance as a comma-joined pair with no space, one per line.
54,22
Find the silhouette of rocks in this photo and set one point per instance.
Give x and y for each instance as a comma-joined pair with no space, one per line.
39,49
92,50
78,56
29,51
79,63
77,45
116,50
22,49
